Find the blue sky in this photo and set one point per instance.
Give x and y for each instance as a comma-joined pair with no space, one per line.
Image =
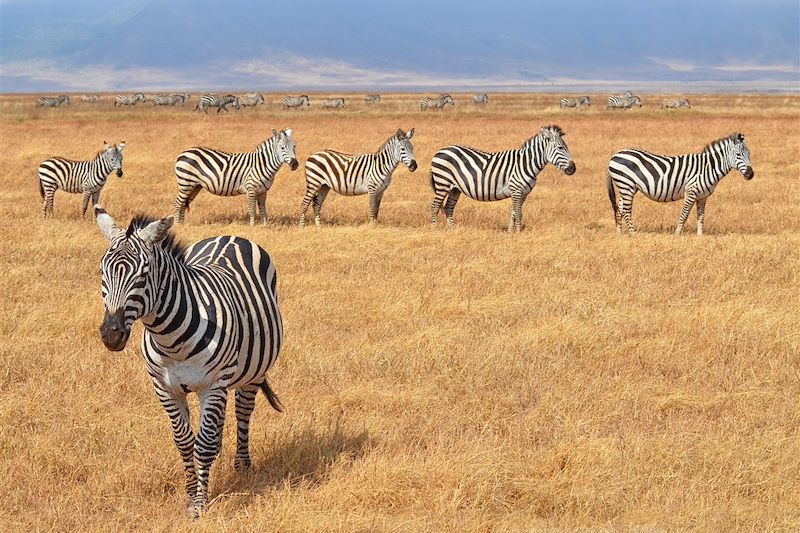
83,45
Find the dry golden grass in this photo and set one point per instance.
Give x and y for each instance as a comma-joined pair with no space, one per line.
464,380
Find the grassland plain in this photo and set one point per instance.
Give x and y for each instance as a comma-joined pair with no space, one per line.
434,380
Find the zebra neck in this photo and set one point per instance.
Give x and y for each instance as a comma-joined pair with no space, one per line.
531,162
386,161
717,162
268,159
169,295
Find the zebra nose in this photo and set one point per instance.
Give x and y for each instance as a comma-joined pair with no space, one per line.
570,170
113,332
119,172
413,166
293,164
749,173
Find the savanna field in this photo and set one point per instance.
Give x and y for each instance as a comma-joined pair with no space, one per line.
433,379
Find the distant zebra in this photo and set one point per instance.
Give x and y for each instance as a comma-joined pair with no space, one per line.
334,103
84,177
230,174
481,98
166,99
128,99
352,175
692,177
294,102
52,101
674,104
211,324
251,100
623,102
90,99
372,99
436,103
215,100
490,176
575,102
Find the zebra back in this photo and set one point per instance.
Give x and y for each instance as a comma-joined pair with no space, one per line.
295,101
481,98
372,99
334,103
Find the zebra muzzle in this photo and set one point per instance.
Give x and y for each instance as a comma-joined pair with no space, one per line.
113,331
749,173
413,165
293,164
570,170
119,172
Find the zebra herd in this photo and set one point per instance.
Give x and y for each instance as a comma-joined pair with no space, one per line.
210,309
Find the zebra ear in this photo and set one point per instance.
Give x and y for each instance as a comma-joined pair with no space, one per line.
288,132
274,132
399,133
156,231
410,133
105,145
104,222
121,145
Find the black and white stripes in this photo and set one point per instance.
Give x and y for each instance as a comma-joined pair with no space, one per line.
436,103
215,100
333,103
575,102
625,101
230,174
128,99
295,102
52,101
489,176
211,324
78,177
692,177
352,175
675,104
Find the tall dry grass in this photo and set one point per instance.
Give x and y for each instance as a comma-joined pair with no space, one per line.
467,380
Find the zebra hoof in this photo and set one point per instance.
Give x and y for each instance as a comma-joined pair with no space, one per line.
194,510
242,464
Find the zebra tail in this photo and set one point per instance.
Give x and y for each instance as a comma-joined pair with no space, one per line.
271,396
41,189
612,196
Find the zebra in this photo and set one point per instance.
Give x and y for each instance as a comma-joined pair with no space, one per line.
575,102
90,99
487,176
85,177
372,99
230,174
295,102
436,103
211,324
215,100
251,99
128,99
480,99
674,104
52,101
166,99
351,175
334,103
692,177
623,102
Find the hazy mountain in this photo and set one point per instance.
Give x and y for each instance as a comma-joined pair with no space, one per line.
83,45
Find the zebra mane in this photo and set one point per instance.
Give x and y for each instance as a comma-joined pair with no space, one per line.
555,129
386,143
733,137
169,244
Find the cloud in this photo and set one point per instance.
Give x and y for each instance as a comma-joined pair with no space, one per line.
680,65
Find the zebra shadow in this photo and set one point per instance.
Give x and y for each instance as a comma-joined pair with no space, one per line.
304,458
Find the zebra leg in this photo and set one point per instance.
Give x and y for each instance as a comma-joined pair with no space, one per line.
245,401
86,196
262,208
701,212
450,206
436,206
209,441
516,213
308,197
178,410
251,206
47,202
318,201
624,208
374,206
688,202
184,198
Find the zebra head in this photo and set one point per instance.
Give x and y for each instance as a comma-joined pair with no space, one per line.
555,149
304,99
447,99
63,99
283,147
739,156
113,156
129,269
403,151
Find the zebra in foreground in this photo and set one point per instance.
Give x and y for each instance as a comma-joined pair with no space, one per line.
230,174
52,101
436,103
490,176
215,100
575,102
334,103
251,100
84,177
480,99
674,104
294,102
372,99
352,175
128,99
90,99
692,177
211,324
623,102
